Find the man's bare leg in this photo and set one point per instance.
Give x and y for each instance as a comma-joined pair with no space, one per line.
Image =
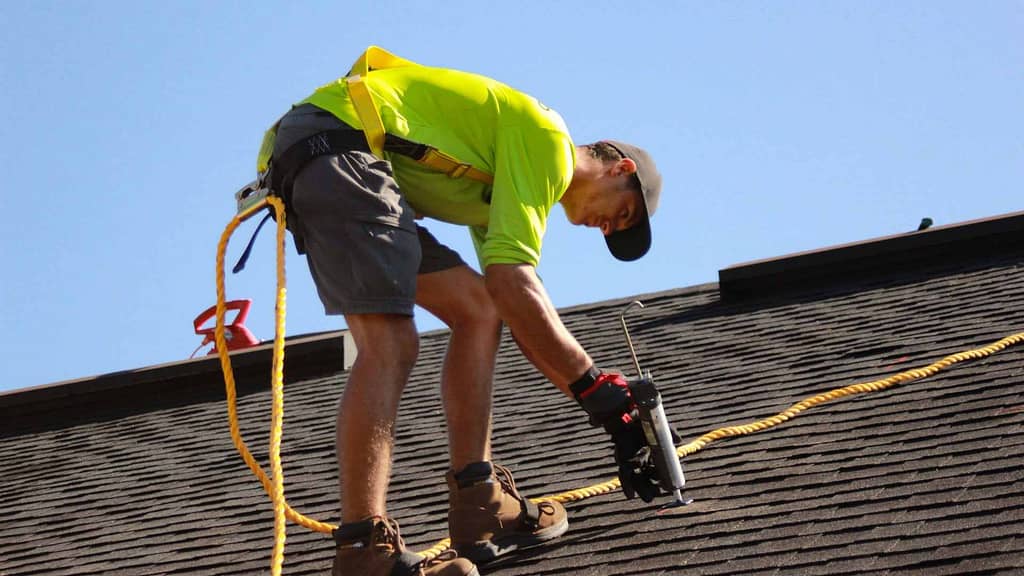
459,298
388,345
486,518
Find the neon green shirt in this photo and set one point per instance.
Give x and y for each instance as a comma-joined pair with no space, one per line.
480,121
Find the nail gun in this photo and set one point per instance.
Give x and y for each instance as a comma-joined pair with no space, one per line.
657,429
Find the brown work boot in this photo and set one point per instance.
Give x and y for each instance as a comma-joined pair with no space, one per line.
374,547
488,517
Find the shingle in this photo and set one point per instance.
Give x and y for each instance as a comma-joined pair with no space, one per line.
923,478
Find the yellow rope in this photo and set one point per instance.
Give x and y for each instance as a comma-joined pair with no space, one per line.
864,387
274,485
275,488
792,411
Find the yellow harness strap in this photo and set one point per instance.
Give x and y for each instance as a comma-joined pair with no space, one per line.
376,58
362,101
437,160
266,150
373,127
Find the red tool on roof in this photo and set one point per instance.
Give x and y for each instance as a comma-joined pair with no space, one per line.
236,334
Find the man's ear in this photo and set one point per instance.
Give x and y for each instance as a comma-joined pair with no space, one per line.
624,166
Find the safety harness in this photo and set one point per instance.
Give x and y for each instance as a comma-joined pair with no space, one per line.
373,127
275,176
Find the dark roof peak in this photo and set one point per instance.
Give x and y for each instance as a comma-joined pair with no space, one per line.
815,269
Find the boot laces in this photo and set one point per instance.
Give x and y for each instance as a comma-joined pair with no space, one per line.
508,484
504,476
386,538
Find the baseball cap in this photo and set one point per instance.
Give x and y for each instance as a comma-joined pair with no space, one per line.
632,243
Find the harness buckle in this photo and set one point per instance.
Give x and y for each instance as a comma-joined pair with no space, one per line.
458,170
250,194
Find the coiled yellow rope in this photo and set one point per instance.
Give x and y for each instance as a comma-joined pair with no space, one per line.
275,487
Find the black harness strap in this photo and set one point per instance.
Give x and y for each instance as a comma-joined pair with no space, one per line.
337,141
284,169
252,240
291,161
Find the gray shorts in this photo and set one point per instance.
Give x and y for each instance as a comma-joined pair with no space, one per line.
361,241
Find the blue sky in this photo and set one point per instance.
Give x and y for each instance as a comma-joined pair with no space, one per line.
778,126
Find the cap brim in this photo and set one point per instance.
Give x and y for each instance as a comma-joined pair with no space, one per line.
632,243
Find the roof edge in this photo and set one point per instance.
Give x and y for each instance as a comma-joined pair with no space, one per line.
617,302
68,390
815,268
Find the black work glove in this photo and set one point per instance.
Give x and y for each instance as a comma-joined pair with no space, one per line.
637,472
606,399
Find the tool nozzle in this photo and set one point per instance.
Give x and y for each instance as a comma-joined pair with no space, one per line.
678,502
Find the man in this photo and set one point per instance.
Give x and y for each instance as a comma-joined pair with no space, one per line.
352,208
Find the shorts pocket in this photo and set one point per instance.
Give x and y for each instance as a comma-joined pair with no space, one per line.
386,258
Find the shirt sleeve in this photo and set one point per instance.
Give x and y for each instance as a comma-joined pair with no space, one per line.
533,168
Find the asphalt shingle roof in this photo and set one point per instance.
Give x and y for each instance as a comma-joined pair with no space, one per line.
922,478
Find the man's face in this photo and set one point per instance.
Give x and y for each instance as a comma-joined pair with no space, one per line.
609,206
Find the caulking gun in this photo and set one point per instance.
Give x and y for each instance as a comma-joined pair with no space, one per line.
657,429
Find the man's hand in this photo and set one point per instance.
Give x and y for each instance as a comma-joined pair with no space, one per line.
608,402
605,397
637,473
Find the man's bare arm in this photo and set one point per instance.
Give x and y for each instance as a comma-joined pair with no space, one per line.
525,307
